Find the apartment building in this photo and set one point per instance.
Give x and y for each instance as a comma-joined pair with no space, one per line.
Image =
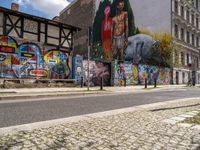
179,18
186,32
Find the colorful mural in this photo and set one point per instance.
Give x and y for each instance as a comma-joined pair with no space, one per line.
97,71
78,68
113,24
115,36
28,61
126,73
152,73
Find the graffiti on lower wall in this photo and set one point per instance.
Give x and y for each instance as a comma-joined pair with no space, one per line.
152,73
97,70
28,61
78,68
126,73
135,74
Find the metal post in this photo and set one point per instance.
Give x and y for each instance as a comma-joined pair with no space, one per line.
124,81
89,42
145,86
81,82
155,83
101,88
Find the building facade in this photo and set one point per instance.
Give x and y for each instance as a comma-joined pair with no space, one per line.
32,47
178,18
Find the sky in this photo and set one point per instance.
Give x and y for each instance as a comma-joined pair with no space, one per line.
43,8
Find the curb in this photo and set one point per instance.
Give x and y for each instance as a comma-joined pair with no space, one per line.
18,97
21,95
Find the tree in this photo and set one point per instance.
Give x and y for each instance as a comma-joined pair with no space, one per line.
167,50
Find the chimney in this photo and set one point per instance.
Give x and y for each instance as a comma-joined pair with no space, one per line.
15,6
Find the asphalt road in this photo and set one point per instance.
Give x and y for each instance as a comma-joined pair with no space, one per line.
17,113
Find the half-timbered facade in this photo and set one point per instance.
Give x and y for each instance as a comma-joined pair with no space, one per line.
28,27
32,47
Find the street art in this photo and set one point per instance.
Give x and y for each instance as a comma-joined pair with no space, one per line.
27,61
8,44
115,36
126,73
78,68
113,24
165,76
97,71
151,73
57,64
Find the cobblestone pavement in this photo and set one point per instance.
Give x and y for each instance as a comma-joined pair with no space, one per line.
141,129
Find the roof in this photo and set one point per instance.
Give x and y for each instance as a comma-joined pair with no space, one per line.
67,7
37,18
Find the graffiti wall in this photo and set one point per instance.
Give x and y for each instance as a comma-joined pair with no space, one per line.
126,72
78,68
28,61
135,74
97,70
162,75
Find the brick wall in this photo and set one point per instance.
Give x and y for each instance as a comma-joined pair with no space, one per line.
80,14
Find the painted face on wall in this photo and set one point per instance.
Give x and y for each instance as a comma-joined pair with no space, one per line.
107,11
120,6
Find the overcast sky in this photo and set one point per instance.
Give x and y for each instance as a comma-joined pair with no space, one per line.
42,8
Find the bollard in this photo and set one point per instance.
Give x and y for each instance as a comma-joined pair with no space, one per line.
101,88
155,83
124,81
81,82
145,83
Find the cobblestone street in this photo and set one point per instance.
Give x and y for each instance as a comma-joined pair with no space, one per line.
143,128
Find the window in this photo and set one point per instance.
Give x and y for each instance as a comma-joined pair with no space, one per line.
197,41
197,4
182,34
176,7
182,11
193,39
188,16
182,58
188,37
197,23
176,30
192,19
197,62
188,57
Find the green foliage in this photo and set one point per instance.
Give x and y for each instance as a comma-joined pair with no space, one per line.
165,50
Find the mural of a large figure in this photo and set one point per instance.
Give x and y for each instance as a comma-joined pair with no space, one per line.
113,24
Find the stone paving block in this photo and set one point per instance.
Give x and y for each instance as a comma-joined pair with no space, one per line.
178,118
170,121
196,127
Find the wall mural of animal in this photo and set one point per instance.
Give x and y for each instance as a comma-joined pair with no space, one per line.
139,48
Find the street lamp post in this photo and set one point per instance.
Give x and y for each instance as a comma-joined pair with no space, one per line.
89,46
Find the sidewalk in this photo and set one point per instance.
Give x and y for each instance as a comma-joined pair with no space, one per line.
10,94
147,127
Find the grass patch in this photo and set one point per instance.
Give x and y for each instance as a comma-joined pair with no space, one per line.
193,120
